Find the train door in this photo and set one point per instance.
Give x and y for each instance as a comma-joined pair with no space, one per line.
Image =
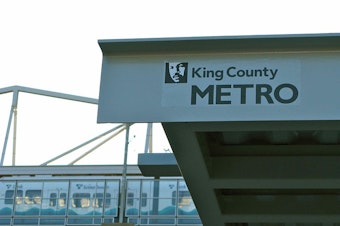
55,195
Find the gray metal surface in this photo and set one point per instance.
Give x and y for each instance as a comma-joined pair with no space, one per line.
244,165
214,44
256,172
297,77
158,164
75,170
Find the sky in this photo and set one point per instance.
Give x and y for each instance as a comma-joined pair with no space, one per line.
53,45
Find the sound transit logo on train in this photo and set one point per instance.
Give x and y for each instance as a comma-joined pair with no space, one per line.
255,82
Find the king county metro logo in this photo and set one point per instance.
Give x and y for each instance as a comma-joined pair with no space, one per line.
176,72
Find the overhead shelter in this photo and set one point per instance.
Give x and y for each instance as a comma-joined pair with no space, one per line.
253,121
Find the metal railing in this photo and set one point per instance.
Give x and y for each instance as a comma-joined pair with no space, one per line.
12,124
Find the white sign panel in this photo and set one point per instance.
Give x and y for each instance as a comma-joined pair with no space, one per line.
231,83
220,87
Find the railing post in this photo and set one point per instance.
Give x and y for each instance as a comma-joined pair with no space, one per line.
13,111
148,139
124,182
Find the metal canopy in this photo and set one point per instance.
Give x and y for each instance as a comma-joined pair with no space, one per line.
221,44
216,70
158,165
246,164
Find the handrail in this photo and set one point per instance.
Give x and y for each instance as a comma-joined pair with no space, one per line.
16,90
48,93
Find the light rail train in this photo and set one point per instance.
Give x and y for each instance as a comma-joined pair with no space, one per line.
87,196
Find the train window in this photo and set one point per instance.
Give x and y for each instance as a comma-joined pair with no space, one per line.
19,197
33,197
61,200
129,200
53,199
81,200
174,194
144,199
98,200
9,197
184,198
